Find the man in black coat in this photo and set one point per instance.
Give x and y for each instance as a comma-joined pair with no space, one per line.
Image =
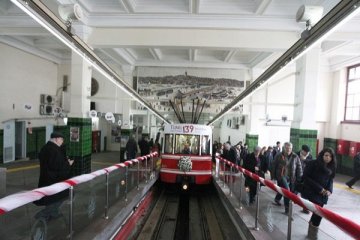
254,162
144,146
356,171
54,168
131,148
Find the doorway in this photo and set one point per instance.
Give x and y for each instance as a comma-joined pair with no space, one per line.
20,139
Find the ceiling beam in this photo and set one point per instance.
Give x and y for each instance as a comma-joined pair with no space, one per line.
192,54
125,55
262,7
230,55
111,55
195,38
156,53
48,55
189,64
128,5
194,6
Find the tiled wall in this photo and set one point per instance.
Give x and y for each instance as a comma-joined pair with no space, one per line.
80,150
35,141
252,141
299,137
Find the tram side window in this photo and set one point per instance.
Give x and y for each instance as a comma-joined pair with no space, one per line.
169,139
205,145
187,144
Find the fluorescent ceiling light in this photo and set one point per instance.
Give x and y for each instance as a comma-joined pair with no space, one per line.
32,13
339,15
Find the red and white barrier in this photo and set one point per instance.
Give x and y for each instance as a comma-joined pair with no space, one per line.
348,226
16,200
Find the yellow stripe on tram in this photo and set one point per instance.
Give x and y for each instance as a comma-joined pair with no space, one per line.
343,186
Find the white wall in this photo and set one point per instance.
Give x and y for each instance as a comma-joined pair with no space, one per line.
23,78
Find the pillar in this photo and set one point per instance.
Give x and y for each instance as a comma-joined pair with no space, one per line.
303,128
79,123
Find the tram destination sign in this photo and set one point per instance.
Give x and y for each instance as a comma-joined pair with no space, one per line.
194,129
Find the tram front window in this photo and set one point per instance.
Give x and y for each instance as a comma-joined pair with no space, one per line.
168,148
187,144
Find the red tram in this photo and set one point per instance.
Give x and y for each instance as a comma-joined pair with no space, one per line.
186,154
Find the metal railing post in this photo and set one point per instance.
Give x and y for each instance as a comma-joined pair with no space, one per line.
290,220
71,213
257,206
231,184
126,182
240,193
224,174
217,168
107,196
146,169
138,175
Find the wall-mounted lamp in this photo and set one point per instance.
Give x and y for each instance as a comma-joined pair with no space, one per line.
70,13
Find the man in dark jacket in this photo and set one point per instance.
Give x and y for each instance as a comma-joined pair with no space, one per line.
255,163
144,146
131,148
54,168
356,171
287,171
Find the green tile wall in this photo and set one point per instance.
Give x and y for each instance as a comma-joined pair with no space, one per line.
330,142
345,164
80,151
83,147
252,141
299,137
35,141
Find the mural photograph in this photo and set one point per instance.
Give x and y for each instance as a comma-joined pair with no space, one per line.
215,93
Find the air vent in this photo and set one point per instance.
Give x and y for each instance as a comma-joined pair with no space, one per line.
46,109
47,99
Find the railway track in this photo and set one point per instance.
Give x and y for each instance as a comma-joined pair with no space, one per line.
196,214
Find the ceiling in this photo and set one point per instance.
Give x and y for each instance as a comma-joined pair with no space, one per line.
209,34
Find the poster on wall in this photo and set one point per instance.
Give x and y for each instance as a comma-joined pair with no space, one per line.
74,134
116,134
216,91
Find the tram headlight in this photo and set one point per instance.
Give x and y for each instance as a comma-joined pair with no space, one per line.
185,186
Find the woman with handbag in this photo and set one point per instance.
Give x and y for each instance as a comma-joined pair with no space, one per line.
318,181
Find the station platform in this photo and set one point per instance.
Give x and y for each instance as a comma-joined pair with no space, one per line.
273,223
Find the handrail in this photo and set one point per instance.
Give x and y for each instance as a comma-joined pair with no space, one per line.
16,200
348,226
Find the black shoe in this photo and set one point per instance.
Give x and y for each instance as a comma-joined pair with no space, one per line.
305,211
349,186
276,203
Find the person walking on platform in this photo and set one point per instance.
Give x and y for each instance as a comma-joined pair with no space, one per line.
254,162
356,170
287,171
131,148
54,168
318,183
144,146
277,149
305,157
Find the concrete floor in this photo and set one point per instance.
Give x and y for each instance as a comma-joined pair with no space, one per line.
274,223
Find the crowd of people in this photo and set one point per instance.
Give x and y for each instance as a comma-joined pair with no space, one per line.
143,147
297,172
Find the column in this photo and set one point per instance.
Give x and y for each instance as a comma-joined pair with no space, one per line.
79,124
126,103
303,128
